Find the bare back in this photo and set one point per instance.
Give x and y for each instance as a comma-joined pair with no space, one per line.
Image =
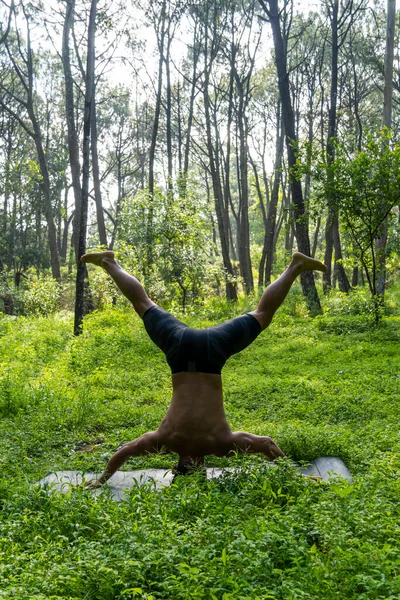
195,422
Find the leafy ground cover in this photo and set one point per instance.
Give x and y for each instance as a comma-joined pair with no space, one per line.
323,386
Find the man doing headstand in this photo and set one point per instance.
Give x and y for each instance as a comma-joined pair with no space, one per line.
195,423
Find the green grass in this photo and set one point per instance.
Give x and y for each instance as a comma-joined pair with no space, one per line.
324,386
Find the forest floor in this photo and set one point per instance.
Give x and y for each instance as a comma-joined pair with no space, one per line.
328,386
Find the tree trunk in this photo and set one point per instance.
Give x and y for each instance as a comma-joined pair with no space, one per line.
330,147
261,266
354,279
301,225
193,84
168,122
271,216
230,286
387,122
45,185
332,235
154,133
73,142
316,233
344,284
120,195
223,231
243,221
80,308
96,173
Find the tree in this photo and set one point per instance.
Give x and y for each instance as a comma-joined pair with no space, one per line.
19,99
211,42
89,88
70,112
181,243
274,16
242,67
381,240
340,24
366,189
4,32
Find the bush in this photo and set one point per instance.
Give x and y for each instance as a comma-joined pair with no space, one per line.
41,297
357,302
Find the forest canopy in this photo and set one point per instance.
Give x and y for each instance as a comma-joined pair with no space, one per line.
202,142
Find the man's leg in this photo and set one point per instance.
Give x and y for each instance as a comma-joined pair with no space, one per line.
275,293
129,285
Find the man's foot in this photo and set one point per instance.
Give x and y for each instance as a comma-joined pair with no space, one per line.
305,263
99,259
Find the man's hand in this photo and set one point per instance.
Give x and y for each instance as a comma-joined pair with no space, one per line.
312,477
95,483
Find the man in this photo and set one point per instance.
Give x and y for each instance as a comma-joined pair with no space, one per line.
195,424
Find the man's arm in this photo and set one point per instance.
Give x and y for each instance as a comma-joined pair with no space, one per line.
145,444
248,443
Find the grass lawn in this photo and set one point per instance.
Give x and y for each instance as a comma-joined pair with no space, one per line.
323,386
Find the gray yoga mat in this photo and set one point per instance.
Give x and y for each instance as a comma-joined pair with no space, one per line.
325,467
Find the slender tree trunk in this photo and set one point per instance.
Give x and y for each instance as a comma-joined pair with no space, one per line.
73,142
332,235
261,266
169,121
193,84
154,133
354,279
180,136
330,147
271,216
7,186
316,233
80,308
157,110
120,195
226,166
45,185
96,172
387,122
223,231
243,222
301,226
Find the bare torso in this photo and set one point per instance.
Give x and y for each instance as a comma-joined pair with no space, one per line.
195,422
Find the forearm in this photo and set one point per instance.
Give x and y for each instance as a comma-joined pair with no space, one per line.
115,463
143,445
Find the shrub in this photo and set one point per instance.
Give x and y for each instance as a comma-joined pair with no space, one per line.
41,296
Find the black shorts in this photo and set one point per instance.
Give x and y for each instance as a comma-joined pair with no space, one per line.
202,350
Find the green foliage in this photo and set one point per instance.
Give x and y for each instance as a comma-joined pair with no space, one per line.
169,244
327,386
367,189
41,296
34,296
364,190
102,289
359,302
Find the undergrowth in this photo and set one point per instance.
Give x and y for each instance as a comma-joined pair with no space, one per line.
323,386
